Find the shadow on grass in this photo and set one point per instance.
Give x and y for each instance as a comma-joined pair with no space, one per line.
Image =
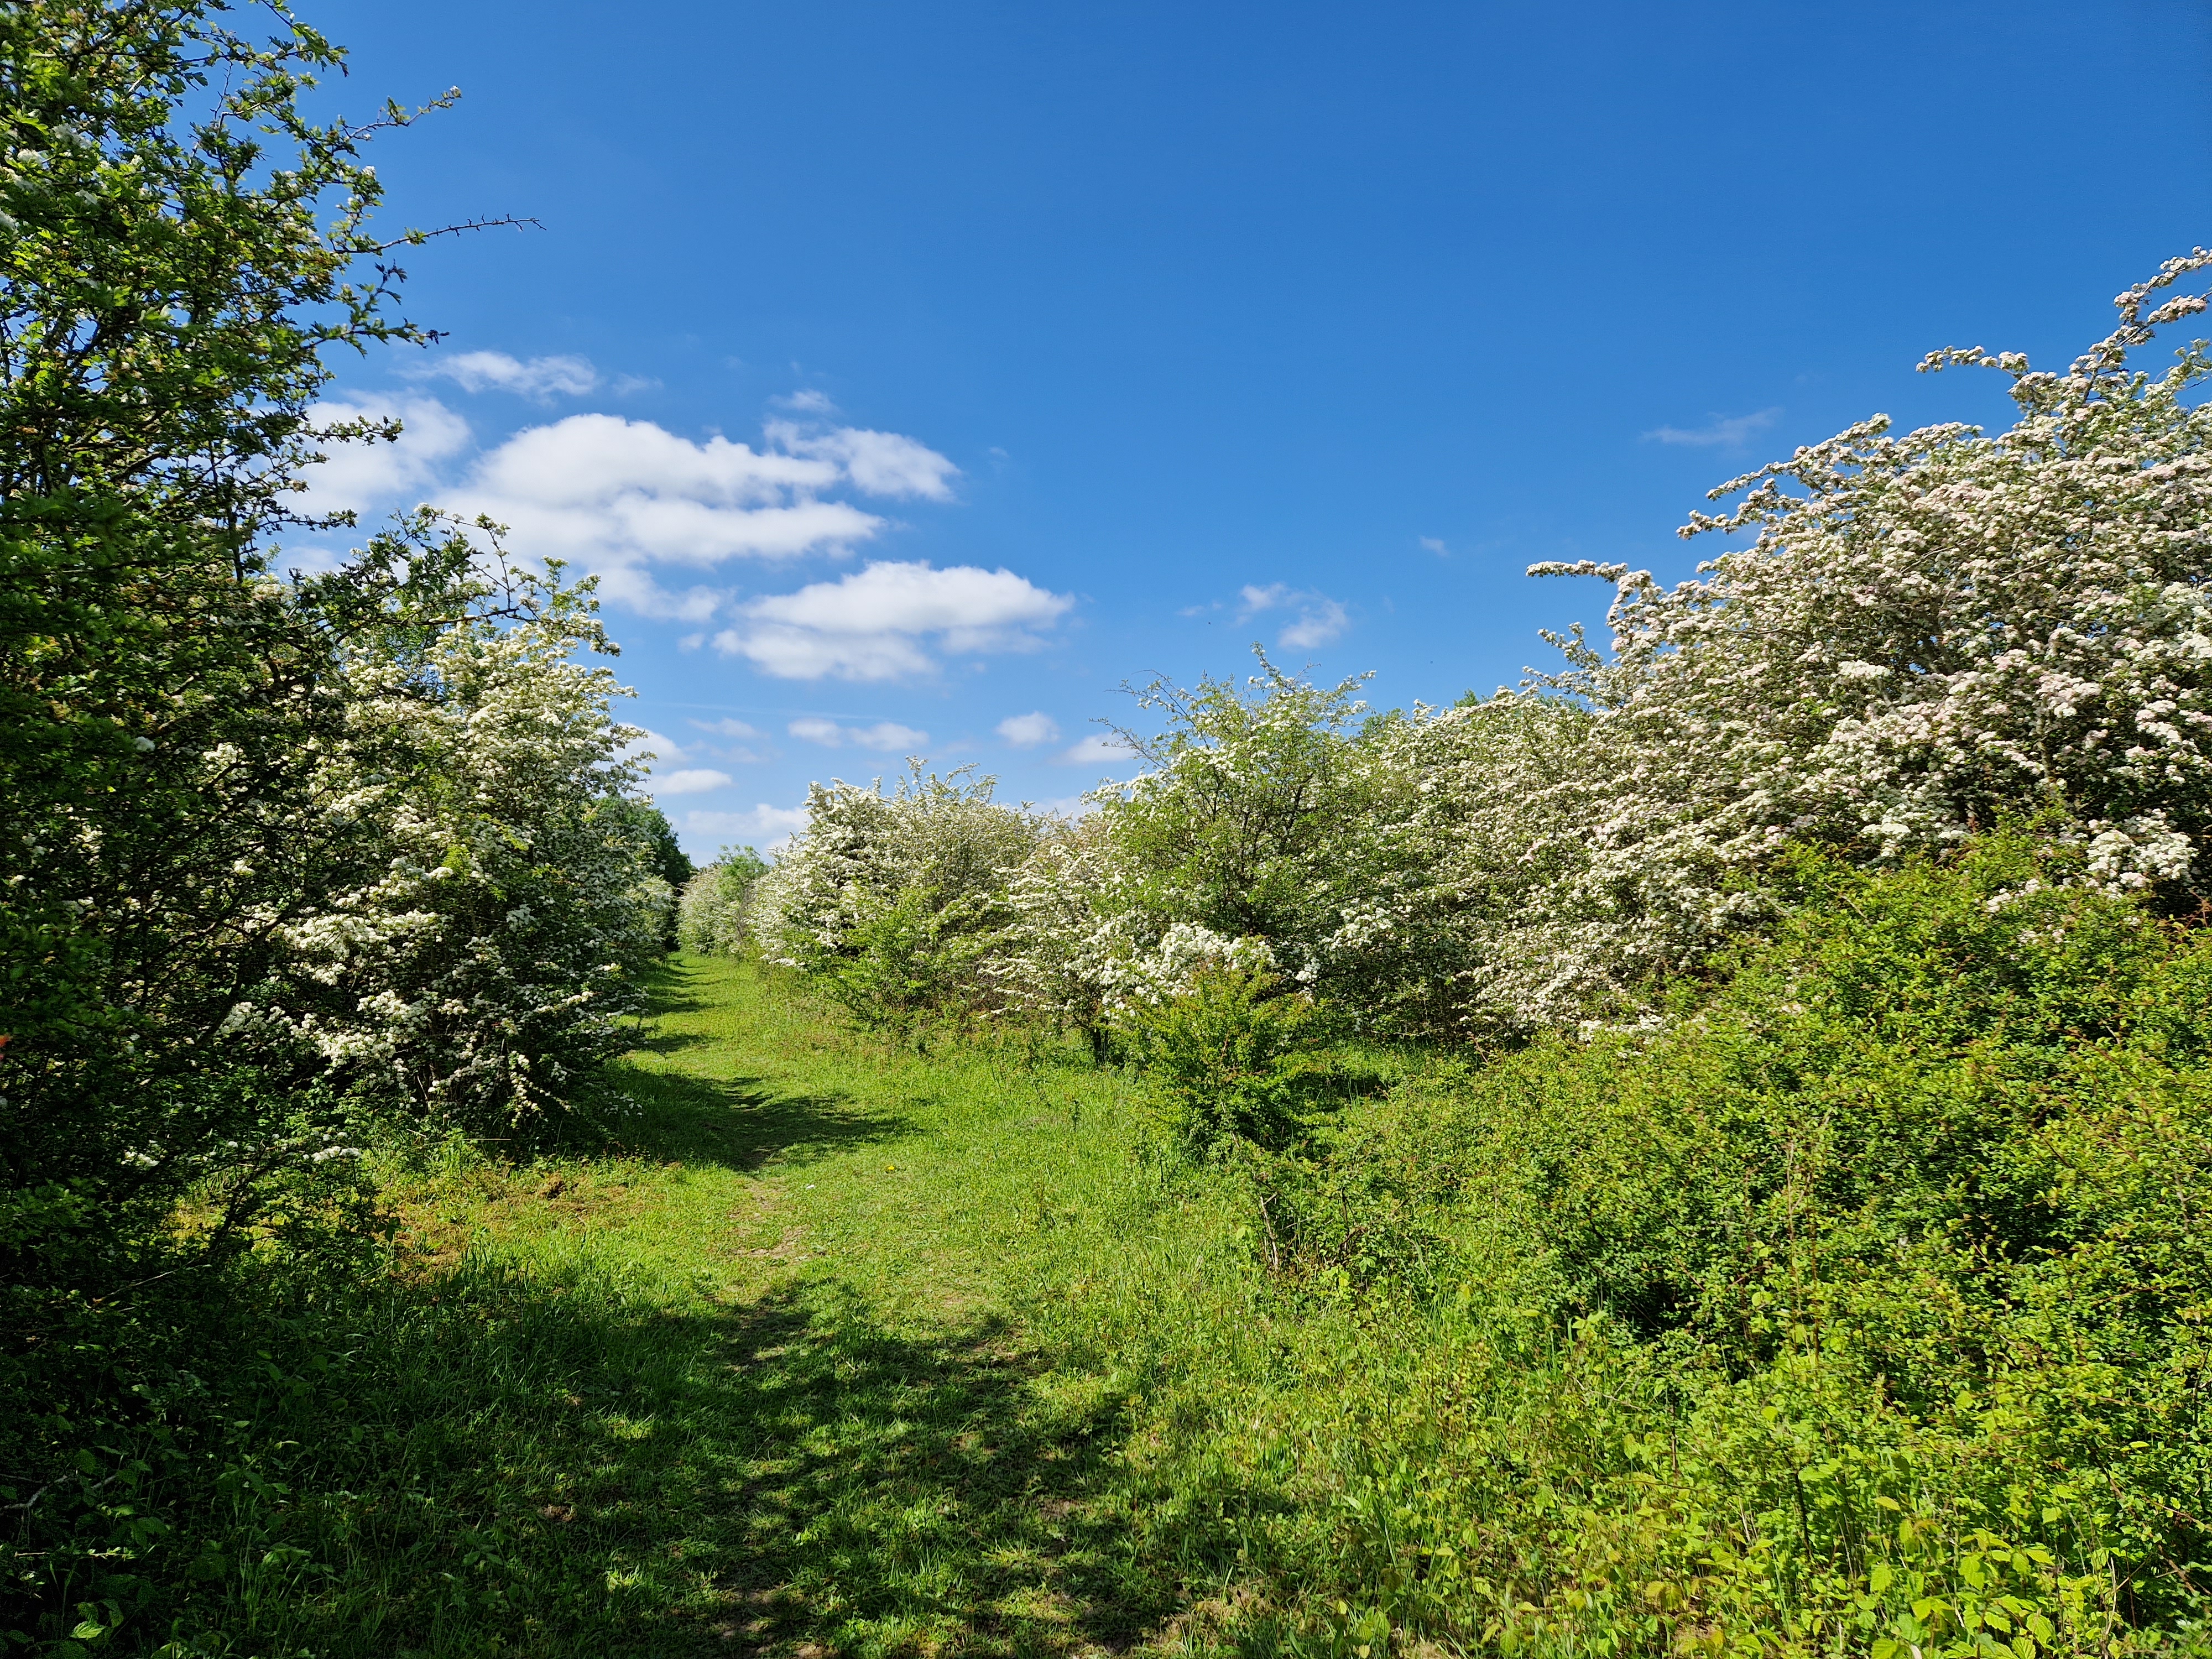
670,988
548,1466
741,1122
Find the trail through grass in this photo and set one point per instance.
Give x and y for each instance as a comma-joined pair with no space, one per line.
853,1349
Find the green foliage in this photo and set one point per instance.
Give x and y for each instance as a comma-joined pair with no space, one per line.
899,901
1233,1057
1893,1239
1853,1298
905,956
278,859
669,860
710,918
1244,815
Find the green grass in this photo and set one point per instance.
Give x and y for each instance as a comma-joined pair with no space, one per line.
841,1348
844,1348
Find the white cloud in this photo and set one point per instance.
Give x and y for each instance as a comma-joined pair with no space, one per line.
1317,626
650,742
1434,544
878,624
890,738
362,475
1100,748
887,736
693,780
737,753
541,378
878,463
764,826
619,497
1721,432
1319,620
627,500
809,401
1028,731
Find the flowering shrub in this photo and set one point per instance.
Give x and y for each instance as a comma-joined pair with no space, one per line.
712,910
899,901
1926,635
508,894
276,855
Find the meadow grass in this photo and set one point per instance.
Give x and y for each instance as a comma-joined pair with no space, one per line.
844,1345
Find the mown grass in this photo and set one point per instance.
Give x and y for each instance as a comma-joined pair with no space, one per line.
843,1347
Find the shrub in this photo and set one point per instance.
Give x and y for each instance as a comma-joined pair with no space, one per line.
1892,1243
503,897
712,914
1231,1056
1930,632
899,900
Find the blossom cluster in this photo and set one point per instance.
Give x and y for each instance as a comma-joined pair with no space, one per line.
1908,640
499,900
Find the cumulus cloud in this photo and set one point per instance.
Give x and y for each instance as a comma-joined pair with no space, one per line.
878,463
656,752
655,745
888,736
363,475
541,378
1319,618
692,781
619,497
1721,432
763,826
1434,544
628,500
1028,731
1099,749
881,622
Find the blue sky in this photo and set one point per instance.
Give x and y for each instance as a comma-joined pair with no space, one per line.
918,375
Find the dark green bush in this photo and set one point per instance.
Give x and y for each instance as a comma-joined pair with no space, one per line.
1236,1057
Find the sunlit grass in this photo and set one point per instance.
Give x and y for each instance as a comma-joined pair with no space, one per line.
839,1345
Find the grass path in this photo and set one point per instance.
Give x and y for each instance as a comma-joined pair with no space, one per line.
853,1351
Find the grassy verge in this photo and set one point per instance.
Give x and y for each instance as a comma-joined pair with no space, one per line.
845,1349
